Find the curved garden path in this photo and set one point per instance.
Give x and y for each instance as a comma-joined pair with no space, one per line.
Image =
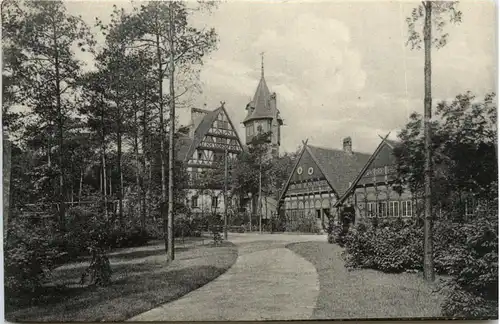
267,282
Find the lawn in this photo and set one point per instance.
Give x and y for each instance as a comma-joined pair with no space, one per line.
141,280
365,294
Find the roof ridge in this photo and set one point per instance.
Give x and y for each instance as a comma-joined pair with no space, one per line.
324,147
336,150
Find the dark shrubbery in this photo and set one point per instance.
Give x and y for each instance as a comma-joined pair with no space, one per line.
81,221
34,247
472,263
335,233
466,252
29,254
127,236
390,247
303,225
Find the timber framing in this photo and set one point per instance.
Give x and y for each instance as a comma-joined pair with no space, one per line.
351,189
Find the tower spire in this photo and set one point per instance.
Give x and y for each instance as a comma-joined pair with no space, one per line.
262,64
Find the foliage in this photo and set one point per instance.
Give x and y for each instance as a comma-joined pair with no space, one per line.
216,226
303,225
92,233
464,151
99,271
30,253
128,235
393,246
254,161
468,253
472,263
440,9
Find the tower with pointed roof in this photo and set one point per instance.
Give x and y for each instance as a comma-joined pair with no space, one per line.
263,116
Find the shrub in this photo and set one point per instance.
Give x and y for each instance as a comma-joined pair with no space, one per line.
99,271
392,246
305,224
336,234
126,236
466,252
30,253
472,263
449,242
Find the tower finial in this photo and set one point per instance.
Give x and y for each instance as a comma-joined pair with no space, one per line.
262,64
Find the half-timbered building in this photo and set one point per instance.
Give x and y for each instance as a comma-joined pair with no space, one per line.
319,178
211,140
373,192
377,192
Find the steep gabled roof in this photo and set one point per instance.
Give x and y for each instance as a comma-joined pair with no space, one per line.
285,187
187,145
392,144
340,168
199,133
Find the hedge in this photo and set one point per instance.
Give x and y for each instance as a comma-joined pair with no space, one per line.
466,252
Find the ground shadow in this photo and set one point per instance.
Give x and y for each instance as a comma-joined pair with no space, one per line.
127,255
135,288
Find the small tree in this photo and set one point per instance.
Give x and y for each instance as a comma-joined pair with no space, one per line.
433,13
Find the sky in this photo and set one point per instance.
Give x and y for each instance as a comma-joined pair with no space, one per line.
338,68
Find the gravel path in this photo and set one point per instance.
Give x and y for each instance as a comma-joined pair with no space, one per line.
267,282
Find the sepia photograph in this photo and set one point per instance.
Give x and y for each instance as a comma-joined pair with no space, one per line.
237,160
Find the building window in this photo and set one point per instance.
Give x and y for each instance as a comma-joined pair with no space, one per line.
393,208
194,202
200,155
382,209
370,209
470,206
218,157
406,208
215,202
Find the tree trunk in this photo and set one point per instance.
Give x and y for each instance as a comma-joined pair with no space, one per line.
80,187
171,146
111,183
162,144
62,207
136,154
144,157
101,186
7,165
136,151
265,208
72,184
428,236
148,192
120,175
49,144
103,161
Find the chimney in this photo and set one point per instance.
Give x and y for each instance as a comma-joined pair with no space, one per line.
197,116
347,145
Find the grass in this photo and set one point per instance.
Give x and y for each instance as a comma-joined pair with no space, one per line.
365,294
141,281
